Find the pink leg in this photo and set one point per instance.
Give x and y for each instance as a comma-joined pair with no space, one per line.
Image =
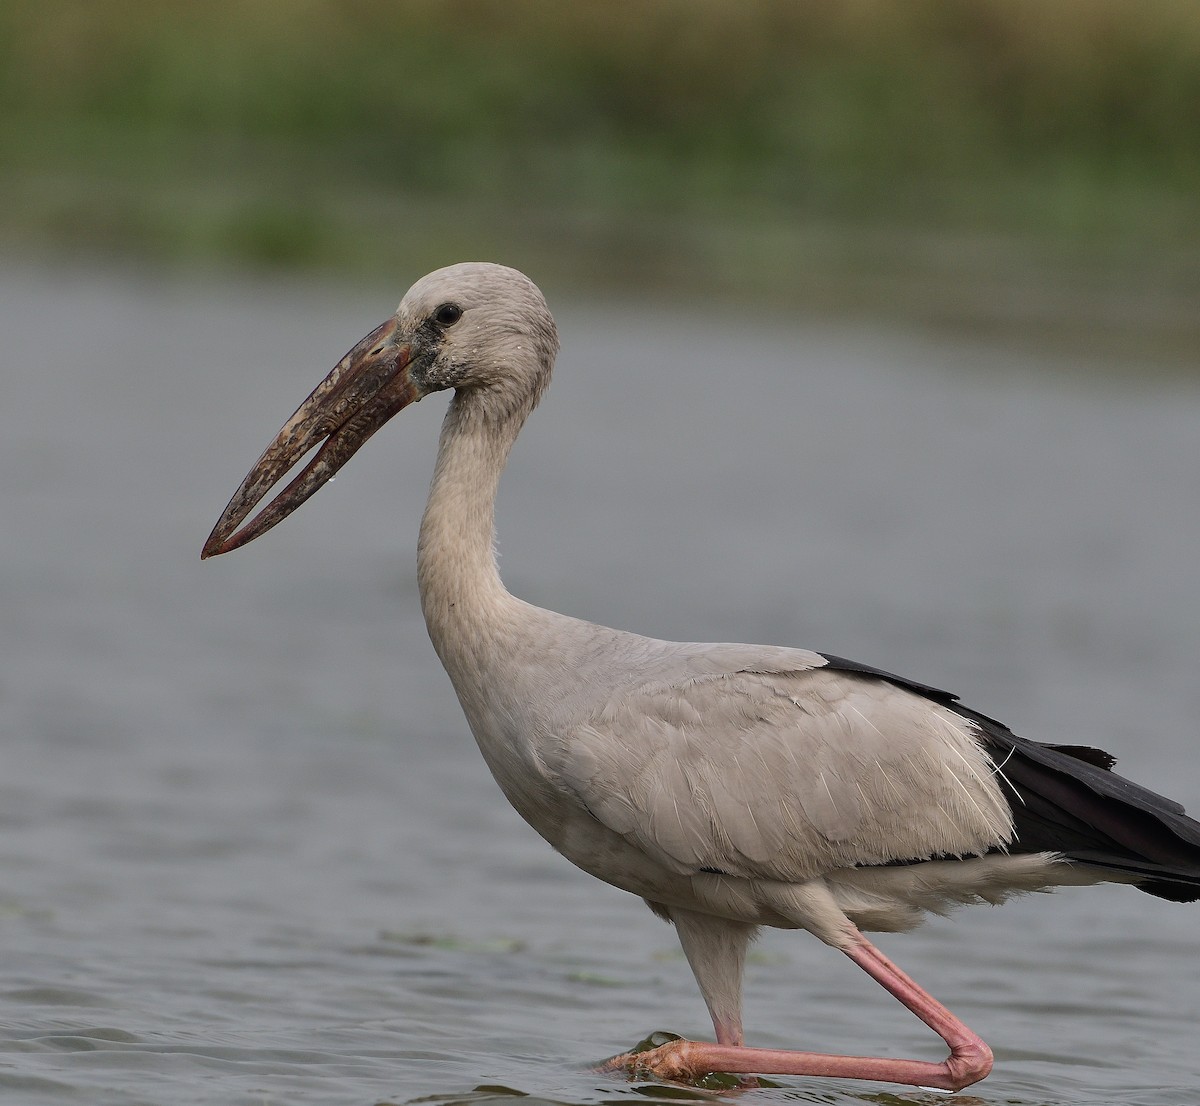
969,1060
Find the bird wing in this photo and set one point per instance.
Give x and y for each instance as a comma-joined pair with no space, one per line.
784,774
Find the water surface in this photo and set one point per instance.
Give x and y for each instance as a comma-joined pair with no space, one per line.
248,851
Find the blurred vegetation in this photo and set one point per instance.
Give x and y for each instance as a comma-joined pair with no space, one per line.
1026,156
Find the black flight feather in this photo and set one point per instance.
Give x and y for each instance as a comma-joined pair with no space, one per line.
1066,799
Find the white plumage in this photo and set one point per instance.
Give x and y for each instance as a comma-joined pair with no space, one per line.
731,786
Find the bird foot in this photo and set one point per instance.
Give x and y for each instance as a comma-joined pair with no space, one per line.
674,1060
717,1066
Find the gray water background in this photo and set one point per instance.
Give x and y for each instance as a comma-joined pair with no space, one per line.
249,854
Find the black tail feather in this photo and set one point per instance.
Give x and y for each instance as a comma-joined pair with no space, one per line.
1065,799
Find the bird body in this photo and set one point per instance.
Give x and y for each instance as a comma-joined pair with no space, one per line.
731,786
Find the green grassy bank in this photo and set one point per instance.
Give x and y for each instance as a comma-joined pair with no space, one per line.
986,155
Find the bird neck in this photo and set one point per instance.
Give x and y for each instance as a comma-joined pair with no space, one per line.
462,595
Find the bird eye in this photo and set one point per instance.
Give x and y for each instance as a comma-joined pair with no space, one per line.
448,314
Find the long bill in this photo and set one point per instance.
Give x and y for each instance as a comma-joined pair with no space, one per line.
366,388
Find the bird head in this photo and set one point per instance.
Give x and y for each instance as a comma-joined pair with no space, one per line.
480,329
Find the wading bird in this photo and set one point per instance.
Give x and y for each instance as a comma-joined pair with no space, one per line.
731,786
